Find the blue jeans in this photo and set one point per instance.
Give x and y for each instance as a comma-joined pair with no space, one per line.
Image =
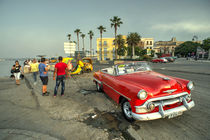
60,79
35,76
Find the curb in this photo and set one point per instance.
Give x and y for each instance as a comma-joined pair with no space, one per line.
28,84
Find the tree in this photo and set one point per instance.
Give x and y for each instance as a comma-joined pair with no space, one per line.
77,31
133,40
136,49
83,38
115,22
101,29
91,34
187,47
143,52
206,44
69,37
120,42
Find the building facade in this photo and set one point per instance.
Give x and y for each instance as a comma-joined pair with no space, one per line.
108,51
146,43
70,48
108,48
168,47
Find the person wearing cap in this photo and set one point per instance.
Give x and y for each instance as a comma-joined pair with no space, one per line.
43,70
61,70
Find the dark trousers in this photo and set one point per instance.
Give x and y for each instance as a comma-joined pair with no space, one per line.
60,79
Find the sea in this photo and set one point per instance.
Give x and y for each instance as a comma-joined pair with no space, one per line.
5,67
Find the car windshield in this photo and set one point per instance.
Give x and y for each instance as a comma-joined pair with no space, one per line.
132,67
86,60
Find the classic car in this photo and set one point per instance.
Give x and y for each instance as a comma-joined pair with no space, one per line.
159,60
88,64
144,94
170,59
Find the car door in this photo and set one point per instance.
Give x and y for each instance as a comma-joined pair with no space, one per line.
109,86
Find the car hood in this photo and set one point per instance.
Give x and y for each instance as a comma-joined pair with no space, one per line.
152,82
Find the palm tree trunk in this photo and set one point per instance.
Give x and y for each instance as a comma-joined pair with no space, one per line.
70,46
83,49
78,41
133,52
101,48
90,47
115,42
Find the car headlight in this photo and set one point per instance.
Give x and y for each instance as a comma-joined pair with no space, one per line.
190,85
142,94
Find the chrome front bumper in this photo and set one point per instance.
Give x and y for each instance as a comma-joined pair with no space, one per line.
164,113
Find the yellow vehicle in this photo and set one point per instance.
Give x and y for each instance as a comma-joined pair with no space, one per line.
78,69
53,60
88,64
67,59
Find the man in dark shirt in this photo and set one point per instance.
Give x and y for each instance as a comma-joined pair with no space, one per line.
61,70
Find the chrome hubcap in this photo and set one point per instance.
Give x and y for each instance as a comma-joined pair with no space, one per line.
127,109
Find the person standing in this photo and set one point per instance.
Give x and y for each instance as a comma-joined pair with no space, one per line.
43,70
34,70
17,72
61,70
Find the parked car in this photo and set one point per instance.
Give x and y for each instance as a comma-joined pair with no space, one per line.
88,64
170,59
159,60
144,94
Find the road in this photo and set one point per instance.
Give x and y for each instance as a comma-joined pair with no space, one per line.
84,113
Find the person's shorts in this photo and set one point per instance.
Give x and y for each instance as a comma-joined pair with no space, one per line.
44,80
17,76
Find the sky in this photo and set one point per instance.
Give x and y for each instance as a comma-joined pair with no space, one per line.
32,27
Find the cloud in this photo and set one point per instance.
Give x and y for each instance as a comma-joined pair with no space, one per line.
184,27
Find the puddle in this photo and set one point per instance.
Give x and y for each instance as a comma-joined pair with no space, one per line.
111,122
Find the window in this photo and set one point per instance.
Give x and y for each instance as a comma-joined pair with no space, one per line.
150,47
147,42
99,43
150,42
105,50
105,43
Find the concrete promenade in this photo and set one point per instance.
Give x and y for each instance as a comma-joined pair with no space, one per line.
83,113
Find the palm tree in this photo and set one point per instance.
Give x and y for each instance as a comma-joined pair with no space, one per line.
101,29
83,36
91,34
120,42
77,31
69,37
115,22
133,40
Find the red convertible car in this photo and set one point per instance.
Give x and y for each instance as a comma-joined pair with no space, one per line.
143,93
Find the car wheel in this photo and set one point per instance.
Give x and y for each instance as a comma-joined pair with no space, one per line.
127,112
98,86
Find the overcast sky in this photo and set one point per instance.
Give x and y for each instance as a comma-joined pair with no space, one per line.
31,27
